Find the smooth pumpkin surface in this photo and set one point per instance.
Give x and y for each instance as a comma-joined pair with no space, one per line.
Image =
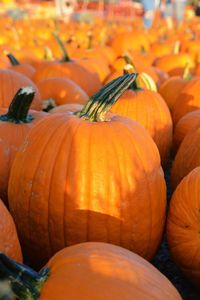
183,226
10,83
62,91
149,109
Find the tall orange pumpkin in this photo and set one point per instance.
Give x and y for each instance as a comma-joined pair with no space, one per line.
88,176
96,271
149,109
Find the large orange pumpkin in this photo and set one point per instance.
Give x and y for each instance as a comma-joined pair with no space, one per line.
96,271
183,226
15,124
24,69
88,176
9,243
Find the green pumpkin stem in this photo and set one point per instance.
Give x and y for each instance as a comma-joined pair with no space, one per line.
65,57
19,107
100,103
24,283
13,60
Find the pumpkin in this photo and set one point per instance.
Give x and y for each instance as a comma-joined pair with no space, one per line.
100,271
186,124
172,87
62,91
15,124
9,243
183,226
65,108
174,64
10,83
102,179
187,157
149,109
188,100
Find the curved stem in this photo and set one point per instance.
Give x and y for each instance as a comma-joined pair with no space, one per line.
19,107
25,283
60,43
13,60
100,103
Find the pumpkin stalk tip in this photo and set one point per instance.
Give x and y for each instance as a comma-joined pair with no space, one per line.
24,283
19,107
12,59
99,104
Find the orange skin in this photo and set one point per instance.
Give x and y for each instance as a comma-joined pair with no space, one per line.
170,90
186,124
188,100
95,65
149,109
88,81
183,226
11,138
24,69
187,157
9,243
62,91
174,64
102,271
10,83
66,205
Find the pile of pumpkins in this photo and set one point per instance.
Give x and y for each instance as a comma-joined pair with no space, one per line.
90,116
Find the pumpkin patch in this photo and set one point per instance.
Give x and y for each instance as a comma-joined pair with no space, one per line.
99,150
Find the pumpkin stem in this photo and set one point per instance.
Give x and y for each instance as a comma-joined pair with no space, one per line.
100,103
19,107
186,72
22,282
60,43
13,60
90,40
